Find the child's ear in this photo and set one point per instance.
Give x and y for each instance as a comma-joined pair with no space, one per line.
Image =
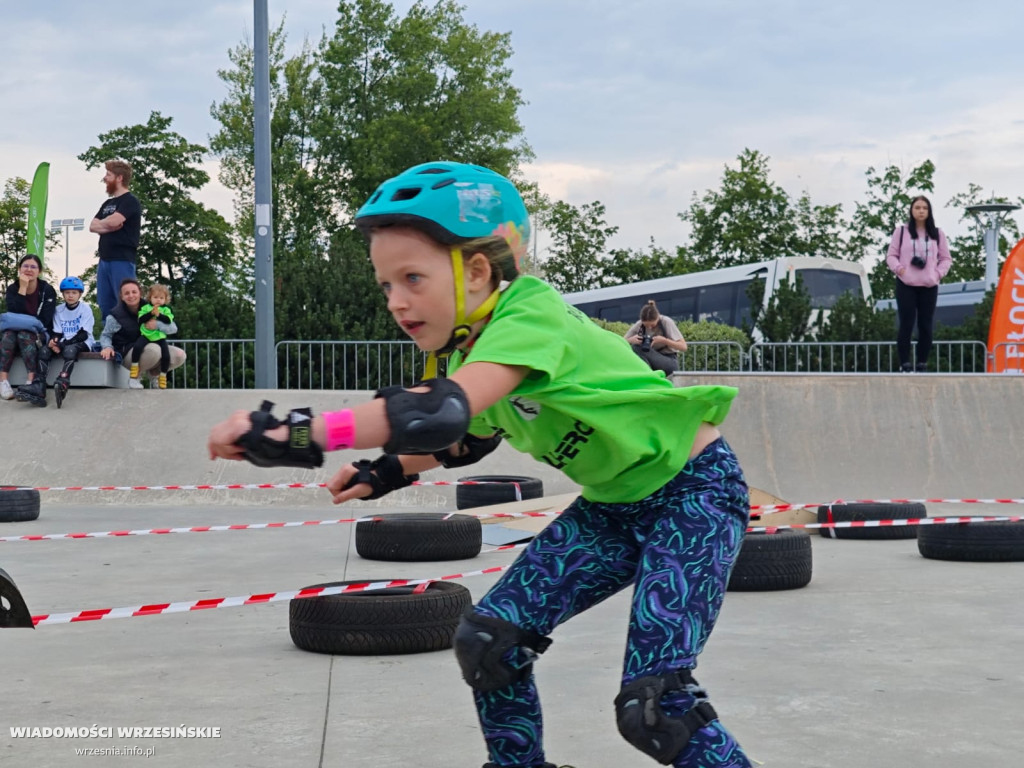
478,272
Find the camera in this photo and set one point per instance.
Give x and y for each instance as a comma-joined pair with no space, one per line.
645,342
918,262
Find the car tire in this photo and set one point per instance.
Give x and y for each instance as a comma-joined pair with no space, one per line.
419,536
845,513
772,561
17,506
982,542
496,489
378,622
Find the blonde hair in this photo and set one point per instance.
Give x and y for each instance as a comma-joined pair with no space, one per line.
120,168
159,290
497,252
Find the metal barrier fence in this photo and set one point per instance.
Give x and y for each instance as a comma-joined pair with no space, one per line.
712,357
1008,357
367,365
862,357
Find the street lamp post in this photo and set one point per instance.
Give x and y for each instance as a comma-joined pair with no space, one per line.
56,225
990,217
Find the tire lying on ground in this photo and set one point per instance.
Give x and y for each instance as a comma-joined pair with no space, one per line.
496,489
380,621
845,513
973,542
419,536
769,561
17,506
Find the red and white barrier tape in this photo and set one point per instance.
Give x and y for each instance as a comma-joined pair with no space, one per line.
233,602
772,508
228,486
886,523
758,508
313,523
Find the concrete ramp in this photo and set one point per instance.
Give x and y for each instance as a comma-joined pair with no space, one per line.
801,438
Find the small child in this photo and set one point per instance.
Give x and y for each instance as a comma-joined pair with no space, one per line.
72,333
157,309
663,507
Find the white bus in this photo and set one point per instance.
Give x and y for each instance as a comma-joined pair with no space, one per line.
720,295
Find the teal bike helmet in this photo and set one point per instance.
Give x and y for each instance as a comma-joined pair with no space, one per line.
452,203
72,284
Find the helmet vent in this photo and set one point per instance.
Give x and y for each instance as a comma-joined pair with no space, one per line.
443,183
406,193
435,170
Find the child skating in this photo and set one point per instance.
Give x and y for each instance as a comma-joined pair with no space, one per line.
663,506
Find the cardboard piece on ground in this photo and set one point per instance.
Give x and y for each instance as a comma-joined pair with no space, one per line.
789,517
499,531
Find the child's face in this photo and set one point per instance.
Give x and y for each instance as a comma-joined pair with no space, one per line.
416,275
157,299
71,296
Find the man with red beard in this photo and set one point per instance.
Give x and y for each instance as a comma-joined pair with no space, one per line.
118,224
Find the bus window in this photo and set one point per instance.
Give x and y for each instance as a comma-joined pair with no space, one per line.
743,302
611,313
825,286
683,305
718,303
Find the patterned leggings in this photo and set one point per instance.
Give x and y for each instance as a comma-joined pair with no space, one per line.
25,342
677,547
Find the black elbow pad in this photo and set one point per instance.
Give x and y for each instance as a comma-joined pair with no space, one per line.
425,422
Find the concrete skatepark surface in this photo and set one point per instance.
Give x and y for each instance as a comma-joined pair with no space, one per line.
885,659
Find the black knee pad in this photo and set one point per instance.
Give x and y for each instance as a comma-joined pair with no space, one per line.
70,352
644,724
481,644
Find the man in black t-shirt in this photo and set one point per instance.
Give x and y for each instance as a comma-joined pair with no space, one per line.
118,224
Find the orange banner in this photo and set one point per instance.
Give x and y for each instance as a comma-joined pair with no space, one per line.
1006,331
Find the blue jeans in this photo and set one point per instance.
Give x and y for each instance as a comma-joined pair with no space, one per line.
677,548
109,275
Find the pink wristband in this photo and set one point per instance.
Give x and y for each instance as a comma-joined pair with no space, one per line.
341,429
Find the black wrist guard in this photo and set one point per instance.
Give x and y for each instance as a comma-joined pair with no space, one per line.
383,475
469,450
298,451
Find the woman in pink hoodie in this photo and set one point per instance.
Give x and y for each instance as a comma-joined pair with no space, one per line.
919,257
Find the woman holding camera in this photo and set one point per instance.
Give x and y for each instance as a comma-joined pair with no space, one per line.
656,339
919,257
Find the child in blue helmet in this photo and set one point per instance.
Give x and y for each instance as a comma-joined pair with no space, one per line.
663,506
73,323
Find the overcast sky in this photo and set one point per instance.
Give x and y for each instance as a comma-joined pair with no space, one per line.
637,104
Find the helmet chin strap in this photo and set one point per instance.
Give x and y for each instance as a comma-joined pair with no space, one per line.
463,325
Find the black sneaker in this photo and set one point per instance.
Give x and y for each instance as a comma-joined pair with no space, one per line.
906,368
922,368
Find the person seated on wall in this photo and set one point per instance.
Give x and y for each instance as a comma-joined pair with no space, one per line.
656,338
24,330
121,331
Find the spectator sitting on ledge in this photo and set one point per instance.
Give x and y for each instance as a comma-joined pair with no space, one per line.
122,330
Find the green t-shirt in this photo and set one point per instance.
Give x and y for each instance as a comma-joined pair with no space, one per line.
589,405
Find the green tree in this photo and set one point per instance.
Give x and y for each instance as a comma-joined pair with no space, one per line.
887,206
787,316
748,219
380,95
579,238
751,218
14,231
184,244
